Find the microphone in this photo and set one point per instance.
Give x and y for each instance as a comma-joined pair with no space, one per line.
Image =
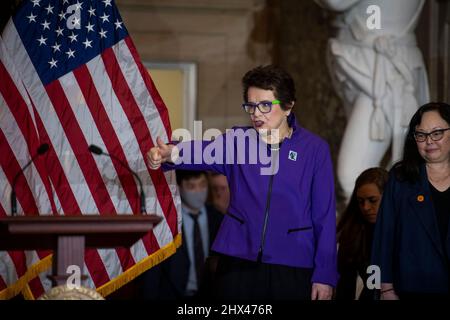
43,148
98,151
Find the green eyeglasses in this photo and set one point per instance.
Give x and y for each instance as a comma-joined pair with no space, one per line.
263,106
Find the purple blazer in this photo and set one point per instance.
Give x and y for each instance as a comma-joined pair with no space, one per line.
288,218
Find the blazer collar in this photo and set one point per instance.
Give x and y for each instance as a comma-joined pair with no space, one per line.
422,206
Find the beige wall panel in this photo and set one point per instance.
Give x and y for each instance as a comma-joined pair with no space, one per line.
213,34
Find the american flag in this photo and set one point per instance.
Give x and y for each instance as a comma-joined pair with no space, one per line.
70,76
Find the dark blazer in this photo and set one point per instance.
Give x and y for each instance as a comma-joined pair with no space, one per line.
407,245
168,280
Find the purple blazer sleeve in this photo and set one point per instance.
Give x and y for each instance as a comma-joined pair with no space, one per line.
324,219
201,156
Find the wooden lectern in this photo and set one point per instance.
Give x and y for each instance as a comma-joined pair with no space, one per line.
68,236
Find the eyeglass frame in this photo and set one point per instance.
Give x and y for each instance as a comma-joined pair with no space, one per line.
257,105
429,134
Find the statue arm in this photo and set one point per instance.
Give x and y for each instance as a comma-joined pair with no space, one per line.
336,5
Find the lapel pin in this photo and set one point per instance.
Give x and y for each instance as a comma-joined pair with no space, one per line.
292,155
420,198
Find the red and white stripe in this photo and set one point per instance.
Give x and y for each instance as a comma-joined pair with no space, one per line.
111,102
17,128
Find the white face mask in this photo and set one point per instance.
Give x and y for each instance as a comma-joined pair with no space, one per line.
194,199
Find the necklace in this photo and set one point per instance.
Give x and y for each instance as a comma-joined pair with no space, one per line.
290,132
437,179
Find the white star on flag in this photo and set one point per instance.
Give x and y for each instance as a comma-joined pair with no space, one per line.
59,31
31,17
49,9
53,63
56,47
107,3
36,3
76,21
91,12
70,53
62,15
87,43
46,25
118,24
102,33
42,40
104,17
90,27
73,37
78,6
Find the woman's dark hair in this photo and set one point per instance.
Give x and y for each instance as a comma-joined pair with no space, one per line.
408,169
273,78
352,229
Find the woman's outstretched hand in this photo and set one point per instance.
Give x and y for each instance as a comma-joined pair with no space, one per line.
159,154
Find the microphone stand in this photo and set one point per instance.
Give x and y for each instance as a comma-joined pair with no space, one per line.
98,151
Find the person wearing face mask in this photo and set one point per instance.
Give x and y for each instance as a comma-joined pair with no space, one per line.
187,274
278,236
355,234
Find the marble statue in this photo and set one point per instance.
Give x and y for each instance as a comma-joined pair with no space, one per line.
378,72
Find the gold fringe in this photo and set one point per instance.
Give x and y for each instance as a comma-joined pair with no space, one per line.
27,293
140,267
21,285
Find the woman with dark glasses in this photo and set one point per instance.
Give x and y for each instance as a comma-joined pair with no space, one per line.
411,243
278,237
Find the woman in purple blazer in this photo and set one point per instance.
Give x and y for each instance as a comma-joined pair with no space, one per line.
278,238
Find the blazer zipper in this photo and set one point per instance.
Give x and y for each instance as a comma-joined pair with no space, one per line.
266,217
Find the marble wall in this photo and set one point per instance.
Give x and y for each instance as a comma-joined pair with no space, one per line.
304,31
223,37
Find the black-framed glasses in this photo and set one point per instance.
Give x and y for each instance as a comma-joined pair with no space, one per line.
263,106
435,135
